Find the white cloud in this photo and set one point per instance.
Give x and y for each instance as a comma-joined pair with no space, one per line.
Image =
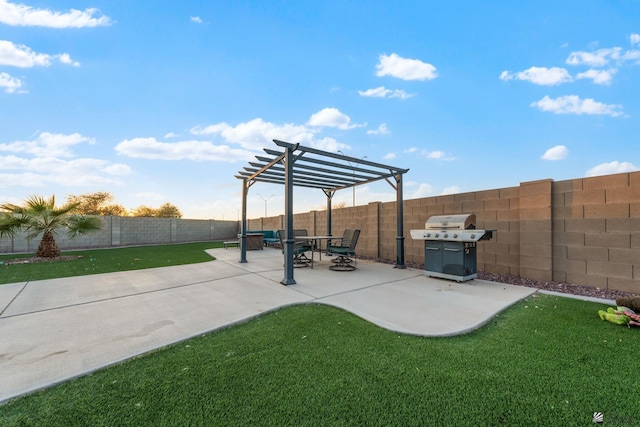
601,77
631,55
611,168
423,190
48,145
51,164
171,135
427,190
117,169
364,194
437,154
382,130
22,15
452,189
404,68
66,59
634,39
150,148
599,58
559,152
43,171
382,92
23,57
10,84
256,134
196,19
328,144
332,117
151,196
389,156
572,104
540,76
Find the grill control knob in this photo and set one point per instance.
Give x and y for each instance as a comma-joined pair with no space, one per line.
455,236
445,235
473,236
428,234
437,235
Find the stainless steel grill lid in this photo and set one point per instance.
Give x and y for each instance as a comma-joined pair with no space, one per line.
451,222
453,228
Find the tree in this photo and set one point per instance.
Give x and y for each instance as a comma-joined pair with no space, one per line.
40,216
98,203
168,211
143,210
165,211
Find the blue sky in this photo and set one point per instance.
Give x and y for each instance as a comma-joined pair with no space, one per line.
164,101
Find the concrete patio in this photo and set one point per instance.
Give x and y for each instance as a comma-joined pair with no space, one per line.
55,330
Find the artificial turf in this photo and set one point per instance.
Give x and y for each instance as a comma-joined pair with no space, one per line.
545,361
97,261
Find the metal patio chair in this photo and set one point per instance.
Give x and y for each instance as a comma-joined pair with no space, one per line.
299,248
346,255
345,240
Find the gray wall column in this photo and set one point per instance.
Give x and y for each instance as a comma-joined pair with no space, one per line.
399,224
243,224
289,240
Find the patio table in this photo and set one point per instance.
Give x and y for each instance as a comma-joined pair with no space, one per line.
316,240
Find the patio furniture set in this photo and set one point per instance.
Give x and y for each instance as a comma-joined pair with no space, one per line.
256,240
343,247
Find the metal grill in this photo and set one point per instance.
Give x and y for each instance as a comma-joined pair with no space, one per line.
450,246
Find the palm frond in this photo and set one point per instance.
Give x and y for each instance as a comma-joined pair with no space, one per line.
79,224
63,210
10,224
11,208
37,204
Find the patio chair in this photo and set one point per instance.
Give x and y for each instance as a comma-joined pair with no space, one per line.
345,240
346,259
299,249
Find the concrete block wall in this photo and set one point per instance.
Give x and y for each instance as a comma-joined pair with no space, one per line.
584,231
596,238
535,230
130,231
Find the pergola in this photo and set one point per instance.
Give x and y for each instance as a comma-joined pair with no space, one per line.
295,165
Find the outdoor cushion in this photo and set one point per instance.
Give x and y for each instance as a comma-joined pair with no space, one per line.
344,260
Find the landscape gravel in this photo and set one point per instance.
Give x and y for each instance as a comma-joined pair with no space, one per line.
565,288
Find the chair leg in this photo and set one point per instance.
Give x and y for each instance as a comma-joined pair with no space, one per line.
301,260
342,263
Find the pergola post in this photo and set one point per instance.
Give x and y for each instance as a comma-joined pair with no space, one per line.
399,224
329,195
243,224
289,241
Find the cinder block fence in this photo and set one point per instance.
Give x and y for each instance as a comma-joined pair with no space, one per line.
130,231
584,231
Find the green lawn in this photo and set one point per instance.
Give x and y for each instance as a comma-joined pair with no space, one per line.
545,361
107,261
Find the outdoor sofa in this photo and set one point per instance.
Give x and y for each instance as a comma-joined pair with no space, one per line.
269,237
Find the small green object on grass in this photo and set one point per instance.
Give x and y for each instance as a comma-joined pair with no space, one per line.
618,319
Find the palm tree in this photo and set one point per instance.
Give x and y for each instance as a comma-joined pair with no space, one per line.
40,215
